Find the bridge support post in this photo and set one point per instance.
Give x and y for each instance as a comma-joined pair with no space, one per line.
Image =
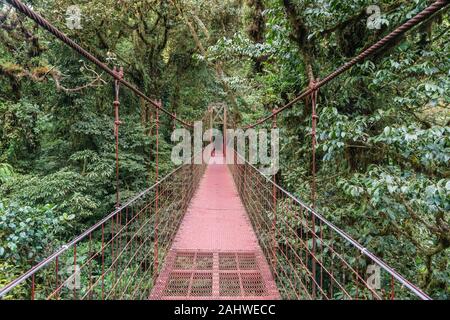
244,183
156,239
274,205
313,99
174,122
211,125
117,124
224,131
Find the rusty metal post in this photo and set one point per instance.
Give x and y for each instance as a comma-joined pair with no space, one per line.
33,287
117,124
156,239
75,270
211,125
174,122
314,117
392,296
243,182
274,204
224,131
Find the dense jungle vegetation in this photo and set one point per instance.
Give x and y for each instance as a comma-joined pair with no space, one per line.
383,128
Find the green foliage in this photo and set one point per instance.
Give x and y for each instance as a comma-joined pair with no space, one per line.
430,147
27,233
66,188
6,172
19,134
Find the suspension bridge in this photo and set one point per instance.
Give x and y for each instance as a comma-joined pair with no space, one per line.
214,231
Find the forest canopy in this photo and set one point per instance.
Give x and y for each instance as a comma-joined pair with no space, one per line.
383,127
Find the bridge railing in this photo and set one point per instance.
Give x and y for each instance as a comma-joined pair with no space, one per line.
120,256
310,257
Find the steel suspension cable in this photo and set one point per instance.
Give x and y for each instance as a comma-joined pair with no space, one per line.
80,50
420,17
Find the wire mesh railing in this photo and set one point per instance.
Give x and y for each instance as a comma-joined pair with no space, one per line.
310,257
115,258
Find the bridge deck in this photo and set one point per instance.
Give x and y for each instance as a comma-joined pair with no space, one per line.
215,254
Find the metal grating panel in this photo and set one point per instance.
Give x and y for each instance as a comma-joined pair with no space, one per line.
201,285
253,284
204,261
178,284
227,261
247,261
230,285
213,275
184,260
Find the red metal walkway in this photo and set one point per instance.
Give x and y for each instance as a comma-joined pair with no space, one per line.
215,254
